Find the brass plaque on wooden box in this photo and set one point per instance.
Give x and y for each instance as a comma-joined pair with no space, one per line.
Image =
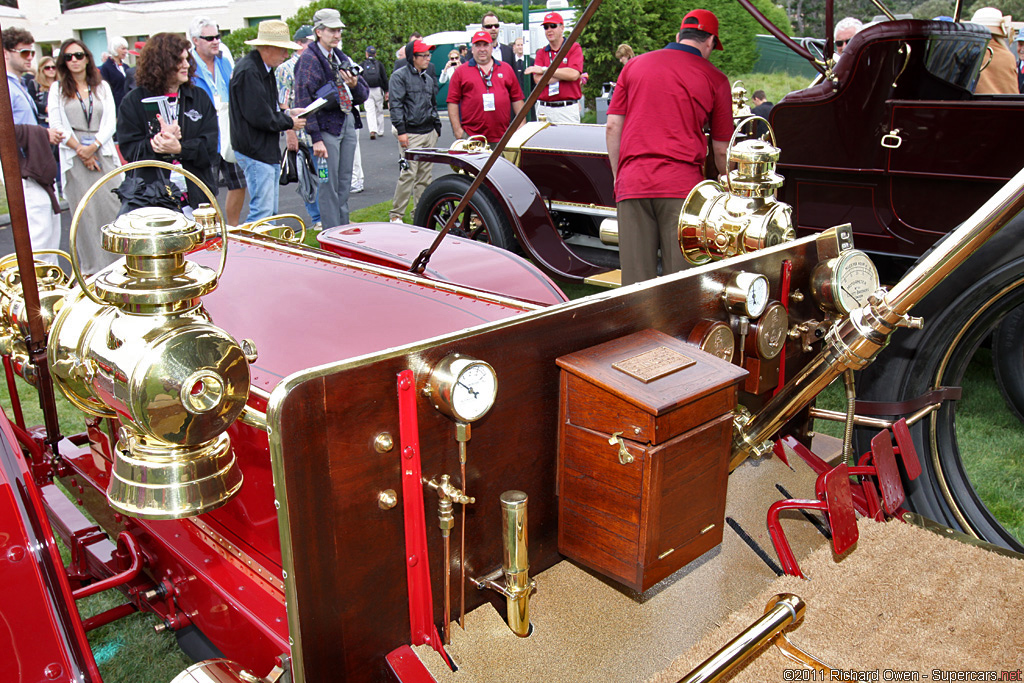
650,365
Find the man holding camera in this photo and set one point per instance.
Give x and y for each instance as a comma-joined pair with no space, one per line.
324,71
481,92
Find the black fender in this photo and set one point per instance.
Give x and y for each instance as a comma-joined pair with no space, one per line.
524,208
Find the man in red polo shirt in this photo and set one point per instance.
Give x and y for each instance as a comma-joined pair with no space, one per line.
656,144
559,101
482,93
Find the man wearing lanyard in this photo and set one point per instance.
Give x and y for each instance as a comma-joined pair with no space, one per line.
480,93
213,74
559,102
656,144
41,206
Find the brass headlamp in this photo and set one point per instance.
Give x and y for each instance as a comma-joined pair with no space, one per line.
139,346
14,330
719,221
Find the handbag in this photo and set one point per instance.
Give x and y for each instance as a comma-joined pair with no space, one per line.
135,193
309,183
289,170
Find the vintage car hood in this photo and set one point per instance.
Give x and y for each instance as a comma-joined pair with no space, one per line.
305,308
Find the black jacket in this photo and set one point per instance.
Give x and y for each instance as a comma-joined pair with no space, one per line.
375,74
412,99
119,84
199,131
256,119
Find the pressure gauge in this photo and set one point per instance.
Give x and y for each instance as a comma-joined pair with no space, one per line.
845,282
463,388
768,335
746,294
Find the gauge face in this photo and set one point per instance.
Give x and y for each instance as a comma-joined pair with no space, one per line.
854,278
463,388
770,334
746,294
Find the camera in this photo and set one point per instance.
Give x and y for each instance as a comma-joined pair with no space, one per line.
352,69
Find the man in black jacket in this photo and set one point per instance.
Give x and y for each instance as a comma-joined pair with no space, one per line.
256,120
377,79
414,116
499,51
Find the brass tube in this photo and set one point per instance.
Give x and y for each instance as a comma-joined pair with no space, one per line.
515,561
788,609
854,341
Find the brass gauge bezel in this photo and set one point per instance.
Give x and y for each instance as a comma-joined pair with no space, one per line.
768,335
746,294
441,387
827,281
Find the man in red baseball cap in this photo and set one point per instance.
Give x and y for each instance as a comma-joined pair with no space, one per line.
559,102
483,93
656,143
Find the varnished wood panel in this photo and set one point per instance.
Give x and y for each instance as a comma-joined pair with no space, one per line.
350,571
591,453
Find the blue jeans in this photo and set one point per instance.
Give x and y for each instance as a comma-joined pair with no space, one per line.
263,188
313,209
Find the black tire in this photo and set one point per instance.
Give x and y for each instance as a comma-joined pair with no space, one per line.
960,316
1008,360
442,197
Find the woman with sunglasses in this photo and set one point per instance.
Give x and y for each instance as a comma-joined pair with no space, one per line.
81,106
39,87
165,68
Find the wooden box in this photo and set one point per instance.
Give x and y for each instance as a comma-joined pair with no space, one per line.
639,515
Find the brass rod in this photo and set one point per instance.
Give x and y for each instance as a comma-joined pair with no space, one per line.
447,589
462,548
855,340
421,260
788,609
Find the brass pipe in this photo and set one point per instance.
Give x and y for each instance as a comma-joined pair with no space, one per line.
515,564
854,341
787,609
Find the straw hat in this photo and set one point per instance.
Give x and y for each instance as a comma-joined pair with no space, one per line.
992,19
274,32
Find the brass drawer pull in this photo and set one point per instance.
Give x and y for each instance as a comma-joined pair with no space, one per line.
625,457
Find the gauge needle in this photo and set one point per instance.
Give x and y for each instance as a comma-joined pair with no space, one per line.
470,389
851,295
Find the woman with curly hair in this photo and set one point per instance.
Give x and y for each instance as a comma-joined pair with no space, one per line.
81,106
189,138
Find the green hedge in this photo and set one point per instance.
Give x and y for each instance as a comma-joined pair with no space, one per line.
385,24
651,24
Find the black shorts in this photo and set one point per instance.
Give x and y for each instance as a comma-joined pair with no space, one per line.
228,174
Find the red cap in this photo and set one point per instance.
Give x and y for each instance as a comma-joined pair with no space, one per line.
139,44
481,37
552,18
420,46
702,20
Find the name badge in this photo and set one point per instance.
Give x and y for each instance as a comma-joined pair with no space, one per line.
488,101
86,139
552,88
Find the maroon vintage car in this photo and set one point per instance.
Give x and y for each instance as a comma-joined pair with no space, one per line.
307,462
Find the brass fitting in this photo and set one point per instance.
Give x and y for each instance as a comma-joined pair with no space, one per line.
518,586
449,495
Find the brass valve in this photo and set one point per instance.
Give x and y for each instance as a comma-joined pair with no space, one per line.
449,495
136,344
742,216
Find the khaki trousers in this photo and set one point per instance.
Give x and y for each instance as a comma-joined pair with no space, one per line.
415,178
645,226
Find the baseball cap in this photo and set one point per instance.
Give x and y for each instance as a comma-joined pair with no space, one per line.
304,32
552,18
420,46
371,50
328,18
481,37
703,20
139,44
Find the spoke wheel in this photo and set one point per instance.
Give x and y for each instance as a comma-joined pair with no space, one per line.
483,219
972,449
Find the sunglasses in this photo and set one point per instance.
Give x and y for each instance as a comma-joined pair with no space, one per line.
69,56
492,25
210,39
549,26
25,54
49,67
421,54
840,43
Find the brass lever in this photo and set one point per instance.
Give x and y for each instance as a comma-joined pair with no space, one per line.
625,457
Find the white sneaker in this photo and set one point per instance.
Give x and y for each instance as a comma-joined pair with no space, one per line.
356,189
397,220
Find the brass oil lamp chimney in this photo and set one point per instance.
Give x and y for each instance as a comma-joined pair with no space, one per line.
138,346
718,222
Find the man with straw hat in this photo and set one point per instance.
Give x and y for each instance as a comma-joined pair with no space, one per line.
256,120
1000,75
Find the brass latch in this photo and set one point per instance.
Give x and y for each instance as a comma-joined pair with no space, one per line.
625,457
892,139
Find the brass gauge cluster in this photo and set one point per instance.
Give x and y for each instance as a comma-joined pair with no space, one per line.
844,283
462,388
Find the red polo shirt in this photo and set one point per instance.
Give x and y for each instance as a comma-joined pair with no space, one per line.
567,90
467,89
667,97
